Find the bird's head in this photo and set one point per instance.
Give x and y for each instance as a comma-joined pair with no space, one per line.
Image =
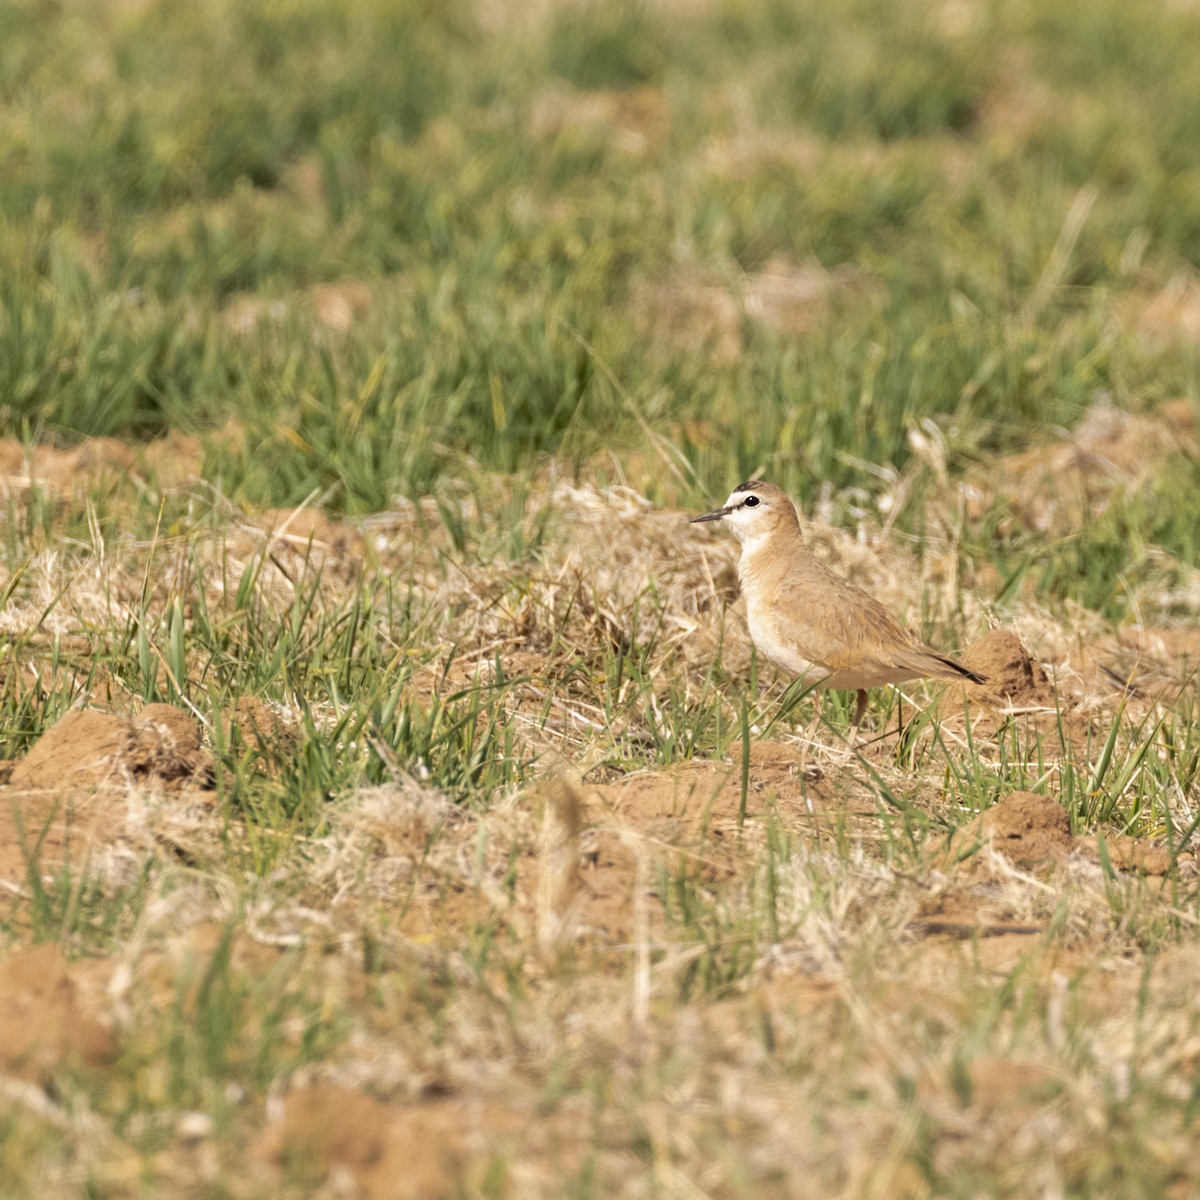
754,511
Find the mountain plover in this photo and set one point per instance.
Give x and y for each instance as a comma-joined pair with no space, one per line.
810,621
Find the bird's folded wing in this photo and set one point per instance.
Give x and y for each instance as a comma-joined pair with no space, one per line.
847,626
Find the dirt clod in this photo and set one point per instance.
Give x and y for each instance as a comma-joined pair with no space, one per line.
1033,831
96,749
1028,829
43,1019
1012,674
1127,853
398,1152
1018,687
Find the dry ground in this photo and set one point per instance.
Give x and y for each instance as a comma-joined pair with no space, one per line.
810,971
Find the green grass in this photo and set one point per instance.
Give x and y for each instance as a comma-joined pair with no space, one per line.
144,194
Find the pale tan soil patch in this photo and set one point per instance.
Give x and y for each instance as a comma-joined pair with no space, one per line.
284,549
296,536
1169,315
968,952
197,945
172,461
328,1133
46,1018
411,849
745,154
1053,489
1020,104
753,152
701,312
421,852
1145,668
632,120
513,15
685,822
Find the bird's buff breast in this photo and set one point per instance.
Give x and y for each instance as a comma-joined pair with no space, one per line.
783,652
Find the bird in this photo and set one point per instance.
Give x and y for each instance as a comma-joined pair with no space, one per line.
810,621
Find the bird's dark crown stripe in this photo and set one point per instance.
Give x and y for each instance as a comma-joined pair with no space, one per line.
749,486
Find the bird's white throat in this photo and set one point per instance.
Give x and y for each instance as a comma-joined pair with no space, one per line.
753,539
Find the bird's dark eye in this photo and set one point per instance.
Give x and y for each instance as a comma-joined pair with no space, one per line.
751,501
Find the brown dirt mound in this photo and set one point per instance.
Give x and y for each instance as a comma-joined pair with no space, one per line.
1028,829
1034,831
685,819
88,749
389,1152
1127,853
85,783
58,803
1013,675
44,1019
1017,688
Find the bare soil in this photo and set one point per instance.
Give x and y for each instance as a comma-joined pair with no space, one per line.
48,1017
172,461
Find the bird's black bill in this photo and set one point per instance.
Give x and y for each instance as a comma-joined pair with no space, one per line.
715,515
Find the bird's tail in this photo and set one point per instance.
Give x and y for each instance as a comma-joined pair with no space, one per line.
956,670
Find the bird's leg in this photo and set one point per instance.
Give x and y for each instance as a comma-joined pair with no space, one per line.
860,708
